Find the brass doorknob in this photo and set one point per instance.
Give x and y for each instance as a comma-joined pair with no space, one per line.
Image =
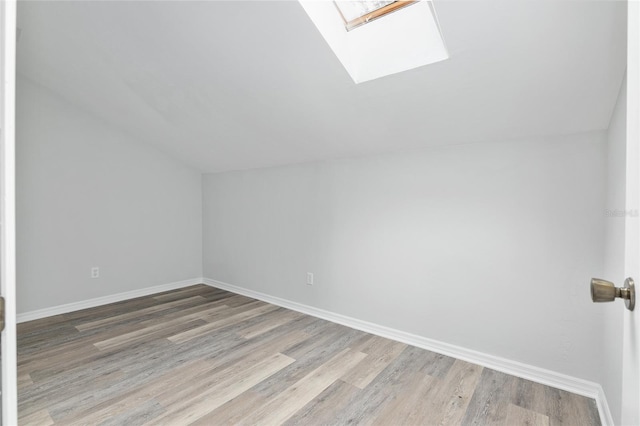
606,291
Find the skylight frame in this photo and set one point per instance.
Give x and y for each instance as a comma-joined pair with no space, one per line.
375,14
405,40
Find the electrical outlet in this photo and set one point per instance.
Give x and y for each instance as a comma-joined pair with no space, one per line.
309,278
95,272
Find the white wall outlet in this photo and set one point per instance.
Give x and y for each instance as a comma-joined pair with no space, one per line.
95,272
309,278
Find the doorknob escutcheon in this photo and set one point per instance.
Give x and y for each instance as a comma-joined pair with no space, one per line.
606,291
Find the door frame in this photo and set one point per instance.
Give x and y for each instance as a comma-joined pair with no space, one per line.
8,210
631,320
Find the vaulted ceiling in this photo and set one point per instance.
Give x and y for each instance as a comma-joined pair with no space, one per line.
226,85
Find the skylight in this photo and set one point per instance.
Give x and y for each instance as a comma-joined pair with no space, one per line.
406,39
360,12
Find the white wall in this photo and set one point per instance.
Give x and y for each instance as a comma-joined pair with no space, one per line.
88,196
487,246
614,255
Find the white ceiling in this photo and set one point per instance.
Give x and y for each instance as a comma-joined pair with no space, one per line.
228,85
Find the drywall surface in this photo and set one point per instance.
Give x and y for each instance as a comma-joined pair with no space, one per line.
615,215
486,246
89,196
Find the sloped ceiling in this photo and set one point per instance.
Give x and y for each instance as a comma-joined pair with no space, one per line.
226,85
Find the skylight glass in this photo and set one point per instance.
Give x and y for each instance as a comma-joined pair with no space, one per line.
355,9
359,12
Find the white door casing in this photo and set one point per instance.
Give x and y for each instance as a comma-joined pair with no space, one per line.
631,325
7,210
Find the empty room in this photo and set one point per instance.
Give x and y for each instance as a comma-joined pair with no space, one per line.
320,212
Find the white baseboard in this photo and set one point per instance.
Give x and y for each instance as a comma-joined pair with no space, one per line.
603,408
104,300
515,368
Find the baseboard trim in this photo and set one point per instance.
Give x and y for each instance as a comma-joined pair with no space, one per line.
515,368
104,300
603,408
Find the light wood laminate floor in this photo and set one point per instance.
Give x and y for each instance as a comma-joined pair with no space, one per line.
205,356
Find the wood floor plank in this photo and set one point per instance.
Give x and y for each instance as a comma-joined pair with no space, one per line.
219,370
205,309
119,405
410,407
230,386
182,380
196,290
239,300
145,382
326,334
109,309
62,348
24,379
307,362
321,409
79,382
532,396
284,405
555,404
54,336
127,338
490,401
572,409
55,402
25,329
380,356
274,321
38,418
449,404
521,416
386,387
255,352
142,413
56,361
138,313
231,412
220,323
